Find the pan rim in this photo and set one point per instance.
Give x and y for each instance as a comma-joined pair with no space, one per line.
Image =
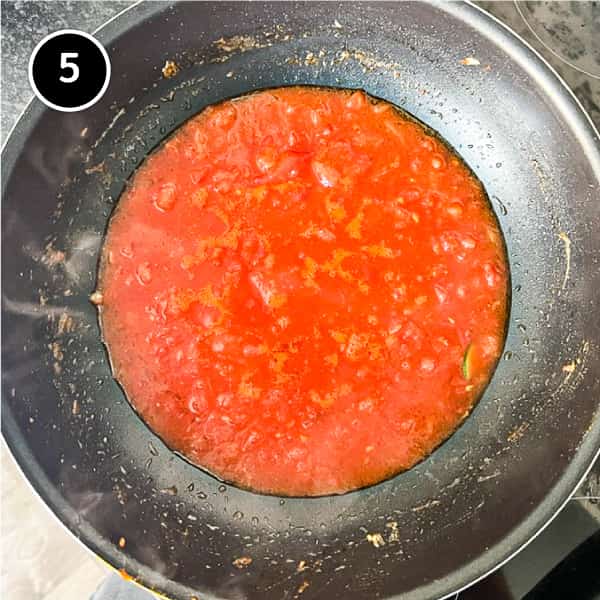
546,511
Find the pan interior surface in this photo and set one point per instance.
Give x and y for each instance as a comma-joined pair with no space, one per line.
504,472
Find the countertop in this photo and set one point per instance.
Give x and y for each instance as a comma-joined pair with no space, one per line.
40,560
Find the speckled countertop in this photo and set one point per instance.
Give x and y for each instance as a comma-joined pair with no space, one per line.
40,560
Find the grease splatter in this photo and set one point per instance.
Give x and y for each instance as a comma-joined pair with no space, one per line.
567,242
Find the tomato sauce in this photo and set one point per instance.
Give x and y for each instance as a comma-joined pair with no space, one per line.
303,291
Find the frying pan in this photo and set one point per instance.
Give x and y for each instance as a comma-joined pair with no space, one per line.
448,521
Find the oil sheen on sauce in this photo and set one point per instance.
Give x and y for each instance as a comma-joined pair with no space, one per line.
303,291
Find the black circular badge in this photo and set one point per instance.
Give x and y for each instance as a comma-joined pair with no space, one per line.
69,70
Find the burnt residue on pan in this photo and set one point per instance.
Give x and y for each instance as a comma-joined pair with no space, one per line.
187,534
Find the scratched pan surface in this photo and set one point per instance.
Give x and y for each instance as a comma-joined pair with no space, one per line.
441,525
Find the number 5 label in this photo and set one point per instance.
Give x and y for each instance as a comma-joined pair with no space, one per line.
65,64
69,70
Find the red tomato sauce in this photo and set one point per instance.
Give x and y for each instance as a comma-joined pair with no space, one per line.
303,291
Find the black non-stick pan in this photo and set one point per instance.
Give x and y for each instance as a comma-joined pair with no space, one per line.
443,524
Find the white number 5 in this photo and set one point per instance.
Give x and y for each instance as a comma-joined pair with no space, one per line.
66,64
